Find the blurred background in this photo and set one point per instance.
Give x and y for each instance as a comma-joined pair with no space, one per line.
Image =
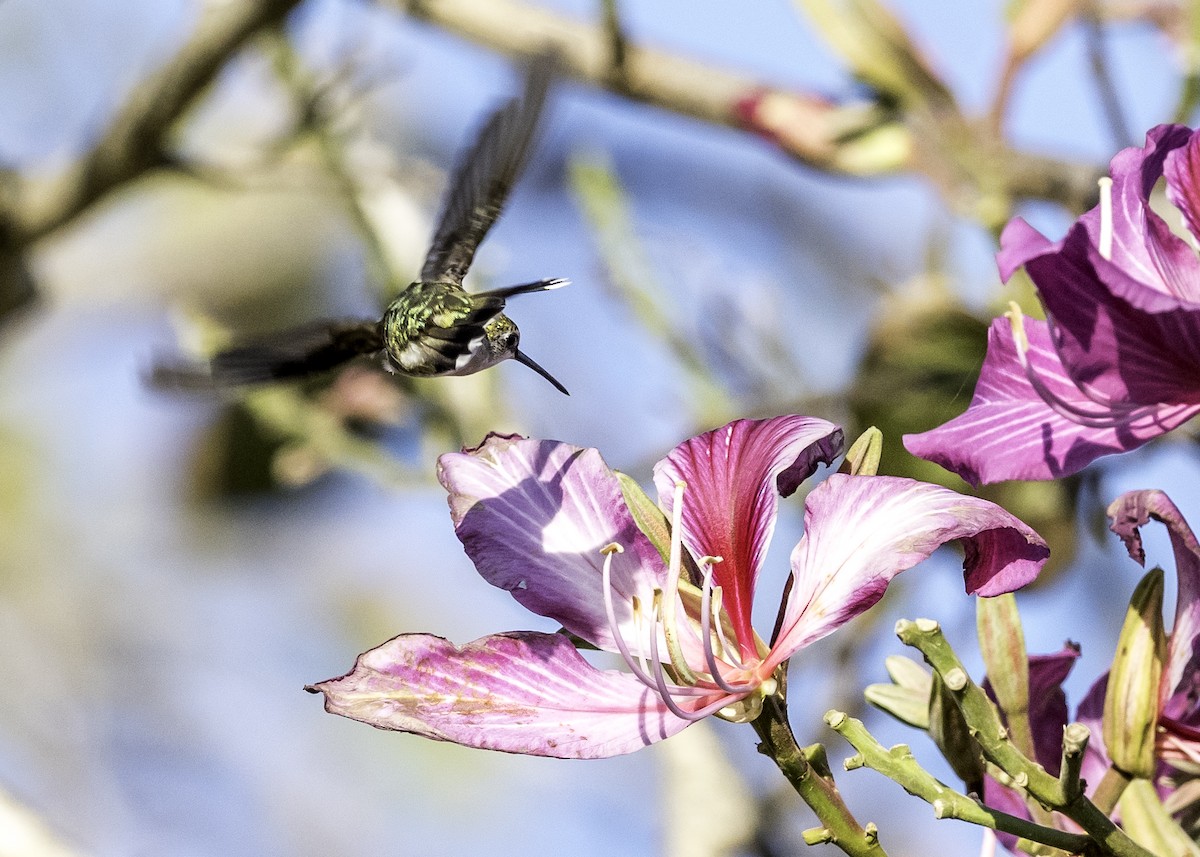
175,568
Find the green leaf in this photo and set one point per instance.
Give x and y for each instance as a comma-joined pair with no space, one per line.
646,514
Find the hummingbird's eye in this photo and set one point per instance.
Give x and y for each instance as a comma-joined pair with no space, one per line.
510,338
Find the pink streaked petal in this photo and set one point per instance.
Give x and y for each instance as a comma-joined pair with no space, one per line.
522,692
861,531
533,516
735,475
1008,432
1127,514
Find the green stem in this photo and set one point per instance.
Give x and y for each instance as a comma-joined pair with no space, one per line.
815,787
984,721
1110,788
898,764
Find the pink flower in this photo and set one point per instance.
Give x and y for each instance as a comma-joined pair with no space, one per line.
549,523
1118,361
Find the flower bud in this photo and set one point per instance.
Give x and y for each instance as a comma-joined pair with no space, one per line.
862,459
1131,703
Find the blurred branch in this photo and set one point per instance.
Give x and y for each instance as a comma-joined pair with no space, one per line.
135,141
1106,89
865,139
1031,25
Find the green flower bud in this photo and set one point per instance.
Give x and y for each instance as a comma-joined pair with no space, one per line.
1131,703
862,459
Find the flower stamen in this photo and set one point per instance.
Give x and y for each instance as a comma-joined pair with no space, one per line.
1105,240
606,584
1114,414
652,678
670,595
730,653
666,693
710,657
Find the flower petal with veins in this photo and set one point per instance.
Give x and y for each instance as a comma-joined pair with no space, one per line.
861,531
533,516
522,692
735,476
1009,432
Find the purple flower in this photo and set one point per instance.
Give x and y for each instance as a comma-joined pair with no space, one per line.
549,522
1117,362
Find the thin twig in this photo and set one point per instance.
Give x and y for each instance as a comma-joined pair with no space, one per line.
841,139
136,140
1100,66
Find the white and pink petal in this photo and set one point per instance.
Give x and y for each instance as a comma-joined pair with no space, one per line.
522,692
735,476
533,515
861,531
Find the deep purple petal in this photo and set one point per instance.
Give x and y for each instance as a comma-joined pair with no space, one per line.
1113,332
1009,432
1144,247
1127,513
1009,801
735,475
1020,242
533,516
1128,326
1048,703
520,693
861,531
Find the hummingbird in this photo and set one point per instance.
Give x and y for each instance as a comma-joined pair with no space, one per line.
434,326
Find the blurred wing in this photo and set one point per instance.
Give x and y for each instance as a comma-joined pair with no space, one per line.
485,176
296,353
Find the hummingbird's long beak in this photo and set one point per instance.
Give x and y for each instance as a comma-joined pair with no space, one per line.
521,357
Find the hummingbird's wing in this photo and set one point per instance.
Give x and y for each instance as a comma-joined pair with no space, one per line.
485,175
296,353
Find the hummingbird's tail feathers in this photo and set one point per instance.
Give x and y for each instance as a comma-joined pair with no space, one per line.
525,288
485,175
296,353
524,359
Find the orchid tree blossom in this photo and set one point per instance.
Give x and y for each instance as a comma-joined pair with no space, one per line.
1117,362
668,588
